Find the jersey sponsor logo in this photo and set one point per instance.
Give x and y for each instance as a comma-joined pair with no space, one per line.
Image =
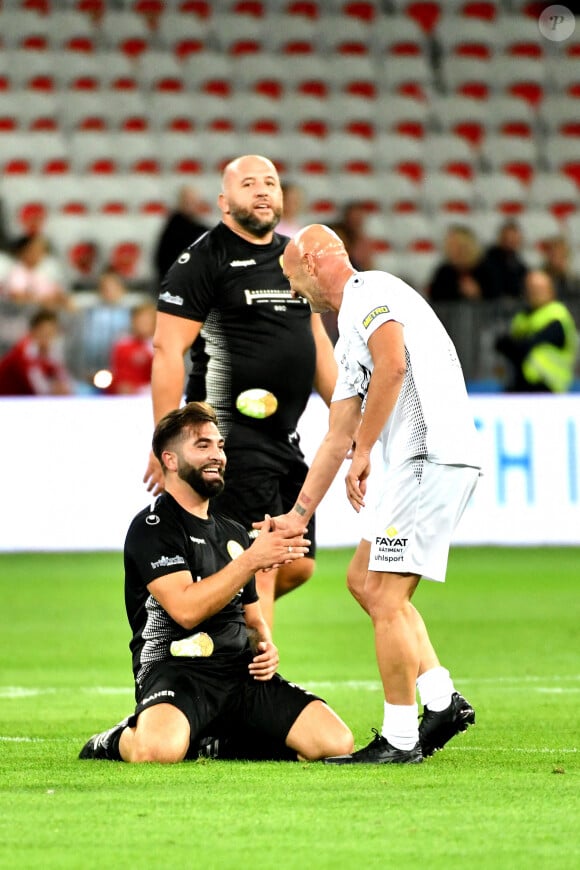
197,540
167,561
234,549
152,520
163,693
273,295
390,541
184,258
380,309
237,264
166,296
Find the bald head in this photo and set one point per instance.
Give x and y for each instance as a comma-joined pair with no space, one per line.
248,165
539,288
317,265
251,198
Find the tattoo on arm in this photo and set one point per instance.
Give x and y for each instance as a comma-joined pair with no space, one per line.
299,509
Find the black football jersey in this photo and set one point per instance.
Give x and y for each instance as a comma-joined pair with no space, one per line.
166,539
255,334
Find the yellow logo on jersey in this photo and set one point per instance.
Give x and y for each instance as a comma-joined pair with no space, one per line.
381,309
234,549
391,532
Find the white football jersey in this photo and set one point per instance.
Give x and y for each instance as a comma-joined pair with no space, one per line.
432,417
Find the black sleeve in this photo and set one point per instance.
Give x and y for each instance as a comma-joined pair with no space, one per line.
516,349
188,288
156,550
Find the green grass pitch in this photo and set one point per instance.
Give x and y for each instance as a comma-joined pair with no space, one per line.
504,795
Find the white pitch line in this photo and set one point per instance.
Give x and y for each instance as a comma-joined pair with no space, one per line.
525,683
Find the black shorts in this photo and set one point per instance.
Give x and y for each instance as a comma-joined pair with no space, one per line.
253,489
214,704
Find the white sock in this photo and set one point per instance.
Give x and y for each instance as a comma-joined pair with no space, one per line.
435,689
400,725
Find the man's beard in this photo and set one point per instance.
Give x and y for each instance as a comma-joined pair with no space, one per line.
203,487
255,225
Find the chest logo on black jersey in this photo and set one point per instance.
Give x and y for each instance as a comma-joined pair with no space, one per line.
197,540
234,549
237,264
152,520
184,258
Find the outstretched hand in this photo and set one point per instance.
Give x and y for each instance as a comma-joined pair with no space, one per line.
277,545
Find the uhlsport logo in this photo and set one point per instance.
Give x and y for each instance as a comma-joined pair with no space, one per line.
390,545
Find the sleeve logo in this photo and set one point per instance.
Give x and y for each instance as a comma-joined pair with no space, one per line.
381,309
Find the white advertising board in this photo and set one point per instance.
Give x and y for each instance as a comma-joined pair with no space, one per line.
73,468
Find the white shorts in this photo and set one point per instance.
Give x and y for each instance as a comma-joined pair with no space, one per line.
416,508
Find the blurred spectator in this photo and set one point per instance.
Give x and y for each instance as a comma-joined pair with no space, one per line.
35,277
34,367
293,207
98,326
351,229
184,225
542,342
505,264
132,355
463,274
557,265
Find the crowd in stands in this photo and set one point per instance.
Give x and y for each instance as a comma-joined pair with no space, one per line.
438,140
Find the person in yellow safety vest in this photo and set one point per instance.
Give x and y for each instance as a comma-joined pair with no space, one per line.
542,342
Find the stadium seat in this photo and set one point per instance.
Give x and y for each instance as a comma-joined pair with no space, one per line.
137,151
516,156
362,189
220,148
28,110
512,116
127,243
396,192
444,192
348,153
355,115
209,72
183,35
320,195
573,231
33,69
340,35
410,232
253,113
520,77
34,152
448,153
125,31
306,114
264,74
159,71
306,154
467,76
71,31
176,111
417,268
73,239
519,36
408,76
290,35
395,113
24,30
539,225
463,116
311,76
354,74
560,116
93,152
403,154
24,204
561,154
184,153
85,72
476,39
556,193
499,192
235,34
425,13
271,145
397,35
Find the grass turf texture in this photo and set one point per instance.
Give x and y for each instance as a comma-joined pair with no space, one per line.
504,795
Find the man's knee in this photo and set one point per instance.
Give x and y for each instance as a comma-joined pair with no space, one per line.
149,748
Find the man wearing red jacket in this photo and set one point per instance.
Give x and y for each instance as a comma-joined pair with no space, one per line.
32,367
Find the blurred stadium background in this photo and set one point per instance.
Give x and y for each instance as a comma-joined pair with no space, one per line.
429,113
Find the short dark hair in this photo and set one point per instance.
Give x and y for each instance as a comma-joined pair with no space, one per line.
43,315
177,424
